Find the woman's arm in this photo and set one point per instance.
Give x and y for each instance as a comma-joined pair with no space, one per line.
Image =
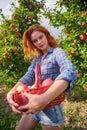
58,87
26,79
29,76
38,102
67,69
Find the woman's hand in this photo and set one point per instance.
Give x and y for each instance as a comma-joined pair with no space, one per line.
36,103
12,104
10,101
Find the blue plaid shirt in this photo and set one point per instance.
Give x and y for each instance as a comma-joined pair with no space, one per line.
55,65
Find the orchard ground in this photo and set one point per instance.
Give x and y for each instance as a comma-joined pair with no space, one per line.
75,110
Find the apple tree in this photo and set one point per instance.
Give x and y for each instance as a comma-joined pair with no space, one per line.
12,63
71,15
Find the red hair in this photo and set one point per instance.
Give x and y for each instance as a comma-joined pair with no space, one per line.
28,46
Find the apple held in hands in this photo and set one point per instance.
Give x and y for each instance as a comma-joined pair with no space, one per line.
21,99
39,87
18,97
47,82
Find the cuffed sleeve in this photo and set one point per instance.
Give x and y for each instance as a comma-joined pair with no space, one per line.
29,77
67,69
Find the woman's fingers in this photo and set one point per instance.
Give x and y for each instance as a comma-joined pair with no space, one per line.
10,99
35,103
15,109
13,103
23,107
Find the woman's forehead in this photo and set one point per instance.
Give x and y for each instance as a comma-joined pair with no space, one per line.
36,34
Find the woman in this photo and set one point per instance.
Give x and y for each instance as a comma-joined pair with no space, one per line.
54,63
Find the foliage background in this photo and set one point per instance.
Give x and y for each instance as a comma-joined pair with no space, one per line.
72,17
12,63
73,39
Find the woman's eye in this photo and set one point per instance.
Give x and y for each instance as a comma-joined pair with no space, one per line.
41,37
34,41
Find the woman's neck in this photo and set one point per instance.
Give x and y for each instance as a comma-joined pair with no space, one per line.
46,51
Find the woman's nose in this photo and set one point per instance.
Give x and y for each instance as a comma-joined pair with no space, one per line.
39,41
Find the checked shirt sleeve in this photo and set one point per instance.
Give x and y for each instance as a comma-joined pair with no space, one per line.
29,77
67,69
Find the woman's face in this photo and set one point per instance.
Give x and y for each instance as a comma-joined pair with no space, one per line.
40,41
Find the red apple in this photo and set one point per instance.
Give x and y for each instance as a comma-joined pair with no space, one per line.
18,97
47,82
15,16
82,36
60,1
76,53
75,41
86,33
6,54
12,25
30,6
16,29
79,74
29,17
85,12
68,52
18,34
84,23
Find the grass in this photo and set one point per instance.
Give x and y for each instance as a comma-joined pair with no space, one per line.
75,111
7,124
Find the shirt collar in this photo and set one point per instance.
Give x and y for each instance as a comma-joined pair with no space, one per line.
50,51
